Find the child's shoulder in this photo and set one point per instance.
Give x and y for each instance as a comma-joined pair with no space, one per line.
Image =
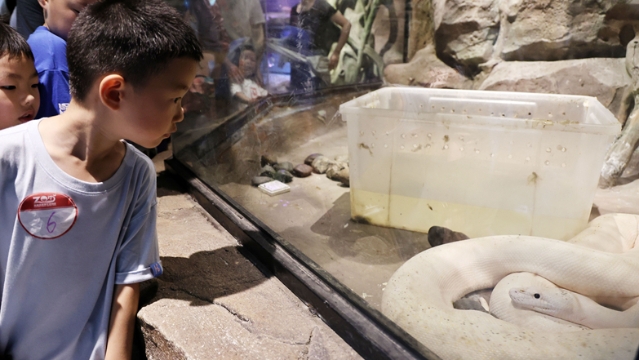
15,148
42,35
139,163
13,136
44,44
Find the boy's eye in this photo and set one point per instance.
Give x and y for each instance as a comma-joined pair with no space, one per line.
176,100
35,86
8,87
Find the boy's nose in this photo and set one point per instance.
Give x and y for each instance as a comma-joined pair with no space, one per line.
28,100
179,116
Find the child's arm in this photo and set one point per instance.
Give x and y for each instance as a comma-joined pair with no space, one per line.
243,98
123,311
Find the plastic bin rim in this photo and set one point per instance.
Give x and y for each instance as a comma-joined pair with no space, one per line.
609,125
475,94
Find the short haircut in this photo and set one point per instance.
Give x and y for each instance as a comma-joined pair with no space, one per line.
12,44
237,53
133,38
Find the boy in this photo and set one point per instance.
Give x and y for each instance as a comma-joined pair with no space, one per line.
77,229
48,44
19,95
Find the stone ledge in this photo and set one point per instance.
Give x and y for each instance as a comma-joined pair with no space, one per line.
212,302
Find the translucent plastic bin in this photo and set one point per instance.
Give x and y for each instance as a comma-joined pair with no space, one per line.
480,162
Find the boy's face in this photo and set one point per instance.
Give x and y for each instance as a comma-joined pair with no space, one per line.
150,113
60,14
247,63
19,94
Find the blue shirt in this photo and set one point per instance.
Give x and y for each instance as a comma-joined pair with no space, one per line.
50,53
60,258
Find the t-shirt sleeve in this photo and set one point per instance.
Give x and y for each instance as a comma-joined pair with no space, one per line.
261,91
325,9
54,93
235,88
256,15
138,258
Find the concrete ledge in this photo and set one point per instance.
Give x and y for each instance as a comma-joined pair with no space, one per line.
212,302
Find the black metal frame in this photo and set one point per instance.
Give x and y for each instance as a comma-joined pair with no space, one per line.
365,329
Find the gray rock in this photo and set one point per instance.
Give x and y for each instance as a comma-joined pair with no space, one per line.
267,170
469,33
259,180
320,164
285,165
561,29
268,159
466,30
438,235
309,159
302,170
283,176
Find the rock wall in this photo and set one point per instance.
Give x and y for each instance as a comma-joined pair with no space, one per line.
534,41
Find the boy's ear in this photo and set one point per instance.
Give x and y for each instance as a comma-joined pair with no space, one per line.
111,90
43,3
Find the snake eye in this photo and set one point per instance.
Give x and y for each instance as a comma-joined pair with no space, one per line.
537,296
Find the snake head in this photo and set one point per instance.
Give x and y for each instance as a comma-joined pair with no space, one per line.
545,300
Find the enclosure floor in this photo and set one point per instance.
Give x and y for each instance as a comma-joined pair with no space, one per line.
315,218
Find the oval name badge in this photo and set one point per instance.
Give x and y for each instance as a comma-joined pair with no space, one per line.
47,215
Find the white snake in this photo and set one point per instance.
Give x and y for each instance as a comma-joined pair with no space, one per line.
516,297
420,293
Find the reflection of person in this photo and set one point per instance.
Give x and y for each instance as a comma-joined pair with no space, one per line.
249,90
243,19
77,225
314,17
19,95
49,44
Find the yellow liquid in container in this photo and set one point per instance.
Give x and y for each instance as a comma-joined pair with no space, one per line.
418,214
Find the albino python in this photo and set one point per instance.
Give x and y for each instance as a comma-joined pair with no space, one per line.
601,263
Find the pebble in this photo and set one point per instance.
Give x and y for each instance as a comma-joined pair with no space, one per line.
283,176
302,170
284,166
343,176
438,235
333,169
267,170
259,180
268,159
309,159
320,164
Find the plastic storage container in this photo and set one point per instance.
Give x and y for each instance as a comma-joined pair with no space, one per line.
479,162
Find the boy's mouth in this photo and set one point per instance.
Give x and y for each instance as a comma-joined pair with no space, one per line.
28,116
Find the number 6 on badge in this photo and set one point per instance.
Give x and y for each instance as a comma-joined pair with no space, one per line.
47,215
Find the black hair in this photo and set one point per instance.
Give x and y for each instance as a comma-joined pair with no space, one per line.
237,53
133,38
12,43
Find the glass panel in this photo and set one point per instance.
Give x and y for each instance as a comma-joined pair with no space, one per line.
499,122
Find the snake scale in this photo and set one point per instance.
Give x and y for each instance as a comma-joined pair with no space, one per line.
420,293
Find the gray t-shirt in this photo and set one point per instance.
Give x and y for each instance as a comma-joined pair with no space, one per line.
65,244
239,16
